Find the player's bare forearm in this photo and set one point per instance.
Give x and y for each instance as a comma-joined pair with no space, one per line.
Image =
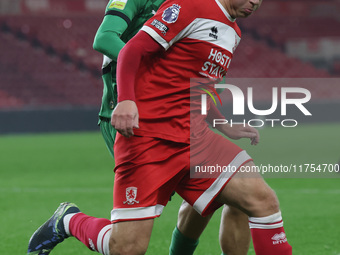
125,117
238,131
235,132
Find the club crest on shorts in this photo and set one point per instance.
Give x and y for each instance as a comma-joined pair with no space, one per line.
170,15
131,194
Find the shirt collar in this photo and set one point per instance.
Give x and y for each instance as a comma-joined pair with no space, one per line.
225,11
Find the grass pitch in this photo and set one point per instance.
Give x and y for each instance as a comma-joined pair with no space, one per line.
40,171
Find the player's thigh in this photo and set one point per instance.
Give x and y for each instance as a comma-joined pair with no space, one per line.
213,161
131,237
248,191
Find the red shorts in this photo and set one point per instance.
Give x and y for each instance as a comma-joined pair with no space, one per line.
148,170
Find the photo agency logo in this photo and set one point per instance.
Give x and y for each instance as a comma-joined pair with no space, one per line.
242,102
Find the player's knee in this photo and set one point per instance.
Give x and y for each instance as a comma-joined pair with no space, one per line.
264,202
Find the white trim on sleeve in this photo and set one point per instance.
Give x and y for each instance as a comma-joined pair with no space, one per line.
156,37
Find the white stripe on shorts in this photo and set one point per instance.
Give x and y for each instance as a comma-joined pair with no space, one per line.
136,213
204,200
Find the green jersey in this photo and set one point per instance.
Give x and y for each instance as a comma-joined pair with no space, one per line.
123,19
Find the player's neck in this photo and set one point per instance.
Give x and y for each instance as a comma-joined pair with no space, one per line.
225,5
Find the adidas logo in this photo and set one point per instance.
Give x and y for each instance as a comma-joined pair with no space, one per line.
279,238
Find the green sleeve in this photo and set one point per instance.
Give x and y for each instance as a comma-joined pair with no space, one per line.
116,20
107,40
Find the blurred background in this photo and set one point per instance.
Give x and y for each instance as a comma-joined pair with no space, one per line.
49,71
50,82
50,77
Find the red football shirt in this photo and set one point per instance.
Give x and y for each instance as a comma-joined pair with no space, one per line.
200,38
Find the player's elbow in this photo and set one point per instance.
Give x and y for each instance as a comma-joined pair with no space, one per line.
108,44
98,44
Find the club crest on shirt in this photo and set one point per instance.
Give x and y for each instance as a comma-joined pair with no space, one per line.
170,15
131,195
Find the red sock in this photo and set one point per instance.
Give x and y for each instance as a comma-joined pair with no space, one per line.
93,232
269,237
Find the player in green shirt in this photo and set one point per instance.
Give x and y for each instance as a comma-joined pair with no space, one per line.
122,20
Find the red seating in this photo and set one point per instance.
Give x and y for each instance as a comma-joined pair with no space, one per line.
34,74
31,78
256,59
281,29
71,33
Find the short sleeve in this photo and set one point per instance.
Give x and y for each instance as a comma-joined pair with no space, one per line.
173,21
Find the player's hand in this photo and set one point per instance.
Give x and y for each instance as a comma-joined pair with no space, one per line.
125,118
239,131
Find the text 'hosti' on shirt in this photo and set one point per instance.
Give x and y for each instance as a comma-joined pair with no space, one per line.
199,41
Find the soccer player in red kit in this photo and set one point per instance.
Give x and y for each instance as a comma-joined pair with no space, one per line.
121,22
163,134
